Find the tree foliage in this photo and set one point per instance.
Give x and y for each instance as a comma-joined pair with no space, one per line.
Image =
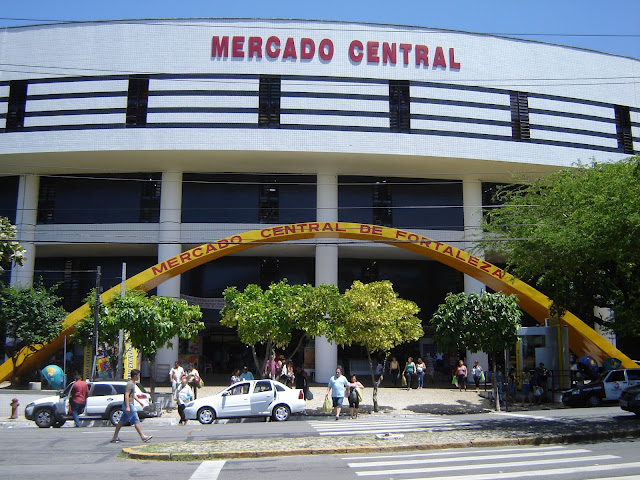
149,323
575,234
270,317
485,322
379,321
10,249
29,317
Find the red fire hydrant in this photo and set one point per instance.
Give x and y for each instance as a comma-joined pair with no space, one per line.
14,408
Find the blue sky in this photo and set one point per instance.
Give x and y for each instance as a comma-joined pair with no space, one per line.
611,26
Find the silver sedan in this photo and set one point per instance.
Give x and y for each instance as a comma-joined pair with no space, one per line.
252,398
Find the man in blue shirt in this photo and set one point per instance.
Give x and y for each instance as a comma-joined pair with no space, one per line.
337,385
246,374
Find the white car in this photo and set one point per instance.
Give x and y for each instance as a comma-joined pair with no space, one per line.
104,402
252,398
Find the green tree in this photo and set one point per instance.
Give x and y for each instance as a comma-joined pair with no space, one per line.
10,249
485,322
270,318
149,323
575,234
29,317
379,321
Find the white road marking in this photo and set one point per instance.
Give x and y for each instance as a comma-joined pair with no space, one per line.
208,470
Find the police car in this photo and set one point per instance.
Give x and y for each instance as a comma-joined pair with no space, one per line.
607,388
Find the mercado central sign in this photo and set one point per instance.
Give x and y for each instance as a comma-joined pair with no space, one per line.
583,340
371,52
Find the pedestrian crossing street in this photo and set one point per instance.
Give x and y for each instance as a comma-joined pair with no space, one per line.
380,425
548,462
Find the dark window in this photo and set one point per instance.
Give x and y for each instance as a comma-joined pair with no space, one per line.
17,105
623,129
137,101
269,102
122,198
8,197
399,106
616,376
262,386
101,390
150,201
47,200
382,204
268,203
520,116
269,272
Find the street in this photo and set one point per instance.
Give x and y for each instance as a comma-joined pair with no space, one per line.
33,453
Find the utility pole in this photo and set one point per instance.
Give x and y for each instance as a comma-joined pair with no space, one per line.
96,315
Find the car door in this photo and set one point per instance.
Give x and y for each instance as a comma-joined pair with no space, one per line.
615,382
262,396
235,401
101,395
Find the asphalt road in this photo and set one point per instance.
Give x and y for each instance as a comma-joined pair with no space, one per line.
33,453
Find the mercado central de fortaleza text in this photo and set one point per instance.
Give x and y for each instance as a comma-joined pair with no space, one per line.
178,145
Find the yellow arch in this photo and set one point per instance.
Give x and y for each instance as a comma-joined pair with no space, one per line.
583,340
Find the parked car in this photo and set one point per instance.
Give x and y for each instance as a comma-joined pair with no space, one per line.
104,402
630,399
252,398
607,388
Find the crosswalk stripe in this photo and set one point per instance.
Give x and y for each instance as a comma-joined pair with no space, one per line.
355,427
471,458
476,451
528,463
546,473
208,470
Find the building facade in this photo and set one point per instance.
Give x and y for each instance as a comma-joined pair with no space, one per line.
132,141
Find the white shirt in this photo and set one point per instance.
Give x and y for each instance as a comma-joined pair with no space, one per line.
175,374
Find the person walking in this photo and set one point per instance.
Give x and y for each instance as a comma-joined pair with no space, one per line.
477,373
175,374
461,375
184,394
421,370
354,401
193,379
129,413
394,370
409,370
78,398
337,386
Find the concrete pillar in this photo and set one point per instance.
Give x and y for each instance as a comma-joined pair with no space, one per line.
26,219
472,208
326,354
168,246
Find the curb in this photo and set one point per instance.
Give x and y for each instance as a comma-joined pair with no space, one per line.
135,453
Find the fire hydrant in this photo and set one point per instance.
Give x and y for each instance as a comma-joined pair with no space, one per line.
14,408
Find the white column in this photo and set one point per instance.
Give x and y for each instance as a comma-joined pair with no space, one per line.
169,246
26,219
472,208
326,269
472,211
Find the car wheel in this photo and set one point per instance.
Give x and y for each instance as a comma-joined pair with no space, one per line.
206,415
44,418
281,413
593,401
115,415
